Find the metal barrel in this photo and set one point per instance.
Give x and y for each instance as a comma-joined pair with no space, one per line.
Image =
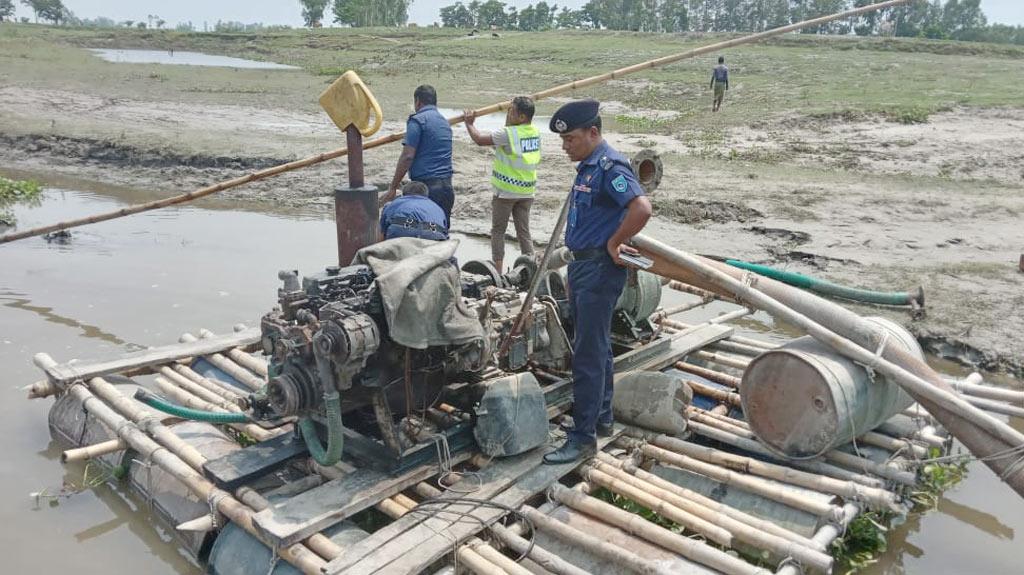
803,399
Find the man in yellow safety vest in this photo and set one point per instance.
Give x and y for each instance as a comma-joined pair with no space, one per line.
513,175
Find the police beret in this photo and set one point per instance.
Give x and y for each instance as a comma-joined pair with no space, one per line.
575,114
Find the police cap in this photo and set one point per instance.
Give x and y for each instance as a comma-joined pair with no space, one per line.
575,114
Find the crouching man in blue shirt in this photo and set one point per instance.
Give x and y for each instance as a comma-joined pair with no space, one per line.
606,210
413,215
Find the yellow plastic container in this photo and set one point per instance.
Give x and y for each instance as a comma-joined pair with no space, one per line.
349,102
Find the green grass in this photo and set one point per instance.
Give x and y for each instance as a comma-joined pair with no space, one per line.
905,80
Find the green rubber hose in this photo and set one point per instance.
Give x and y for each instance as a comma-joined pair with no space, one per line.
335,436
160,404
828,288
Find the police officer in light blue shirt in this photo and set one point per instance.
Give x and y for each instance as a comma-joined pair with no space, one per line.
413,215
427,152
606,210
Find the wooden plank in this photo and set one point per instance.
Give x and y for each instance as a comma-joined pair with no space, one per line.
415,541
307,513
65,374
642,354
239,467
685,343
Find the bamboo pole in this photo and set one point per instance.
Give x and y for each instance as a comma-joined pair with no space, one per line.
762,346
878,498
134,425
636,525
780,547
849,461
655,501
732,361
738,348
972,385
253,364
993,441
994,406
511,538
242,375
395,507
810,465
207,391
753,483
752,521
623,559
222,389
723,395
169,460
679,286
93,451
709,374
493,108
894,444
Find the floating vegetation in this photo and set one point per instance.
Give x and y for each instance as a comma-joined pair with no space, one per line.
13,192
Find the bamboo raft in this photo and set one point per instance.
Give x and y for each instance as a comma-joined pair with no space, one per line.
732,504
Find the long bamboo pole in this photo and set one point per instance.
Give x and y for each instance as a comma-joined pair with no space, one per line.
493,108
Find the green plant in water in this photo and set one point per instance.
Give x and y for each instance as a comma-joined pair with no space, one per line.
13,192
936,478
864,540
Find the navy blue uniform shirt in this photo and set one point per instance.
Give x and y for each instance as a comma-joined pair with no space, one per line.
415,208
604,185
430,134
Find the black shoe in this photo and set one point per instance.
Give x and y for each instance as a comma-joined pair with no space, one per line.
570,451
606,429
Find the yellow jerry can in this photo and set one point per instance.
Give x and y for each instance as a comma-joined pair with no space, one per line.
349,102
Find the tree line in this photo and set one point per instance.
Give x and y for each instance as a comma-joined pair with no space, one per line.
356,13
936,19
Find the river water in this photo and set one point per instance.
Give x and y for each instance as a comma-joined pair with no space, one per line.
144,280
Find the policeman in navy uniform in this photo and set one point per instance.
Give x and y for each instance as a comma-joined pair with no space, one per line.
426,152
413,215
606,210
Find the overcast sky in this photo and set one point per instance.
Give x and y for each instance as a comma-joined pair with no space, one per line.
289,12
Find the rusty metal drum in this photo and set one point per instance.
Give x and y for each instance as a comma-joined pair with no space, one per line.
804,399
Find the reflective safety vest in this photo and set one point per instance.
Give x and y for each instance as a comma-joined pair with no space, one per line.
515,165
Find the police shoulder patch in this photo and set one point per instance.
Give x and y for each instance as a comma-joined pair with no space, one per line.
619,184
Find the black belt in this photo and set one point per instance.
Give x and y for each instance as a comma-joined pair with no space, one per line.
429,181
589,254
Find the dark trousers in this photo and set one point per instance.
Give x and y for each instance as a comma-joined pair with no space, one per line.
594,287
441,191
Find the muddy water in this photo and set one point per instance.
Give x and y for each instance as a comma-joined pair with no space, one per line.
144,280
183,58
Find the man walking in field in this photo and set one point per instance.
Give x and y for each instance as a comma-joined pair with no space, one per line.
719,83
513,176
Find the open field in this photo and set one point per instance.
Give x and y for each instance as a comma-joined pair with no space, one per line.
877,162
